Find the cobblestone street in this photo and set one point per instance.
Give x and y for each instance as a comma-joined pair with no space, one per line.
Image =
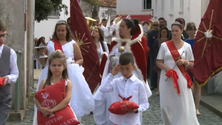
150,117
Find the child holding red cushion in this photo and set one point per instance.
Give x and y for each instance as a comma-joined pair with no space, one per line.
53,96
126,86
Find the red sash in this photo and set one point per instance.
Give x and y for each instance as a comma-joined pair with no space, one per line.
176,56
57,45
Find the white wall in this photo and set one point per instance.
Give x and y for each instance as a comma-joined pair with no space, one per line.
46,27
131,7
190,10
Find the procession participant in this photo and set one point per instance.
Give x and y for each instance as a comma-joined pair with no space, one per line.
54,94
177,107
191,31
152,36
162,37
82,101
8,74
103,24
128,36
143,40
68,22
162,22
98,38
184,35
127,87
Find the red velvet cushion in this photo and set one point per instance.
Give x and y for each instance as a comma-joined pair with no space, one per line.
50,97
122,107
1,81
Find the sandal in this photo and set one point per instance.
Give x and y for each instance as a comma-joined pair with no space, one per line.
198,113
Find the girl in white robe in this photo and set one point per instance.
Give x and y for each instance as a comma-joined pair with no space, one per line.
82,101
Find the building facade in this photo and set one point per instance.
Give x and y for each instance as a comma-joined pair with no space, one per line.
140,9
190,10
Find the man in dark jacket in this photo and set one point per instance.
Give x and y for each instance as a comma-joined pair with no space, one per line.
152,36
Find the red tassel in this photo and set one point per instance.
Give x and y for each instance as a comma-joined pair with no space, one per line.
189,82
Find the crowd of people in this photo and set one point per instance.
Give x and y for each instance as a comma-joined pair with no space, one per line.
134,53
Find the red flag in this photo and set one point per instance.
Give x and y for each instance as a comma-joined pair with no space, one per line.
88,48
207,49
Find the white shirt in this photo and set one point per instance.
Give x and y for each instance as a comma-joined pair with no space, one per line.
12,77
125,88
108,33
103,28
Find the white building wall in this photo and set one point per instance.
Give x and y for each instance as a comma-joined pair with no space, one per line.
46,27
131,7
190,10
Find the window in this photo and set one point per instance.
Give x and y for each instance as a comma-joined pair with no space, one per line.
147,4
181,6
54,14
171,7
162,7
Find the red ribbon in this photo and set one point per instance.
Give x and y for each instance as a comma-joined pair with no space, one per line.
174,75
1,81
189,82
124,99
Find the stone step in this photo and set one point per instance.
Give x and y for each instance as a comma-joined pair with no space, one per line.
213,102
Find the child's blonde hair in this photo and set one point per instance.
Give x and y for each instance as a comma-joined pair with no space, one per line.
56,55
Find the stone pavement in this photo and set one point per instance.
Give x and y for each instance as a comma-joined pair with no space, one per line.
150,117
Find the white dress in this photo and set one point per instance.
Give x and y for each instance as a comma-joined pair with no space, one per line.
176,109
82,101
100,50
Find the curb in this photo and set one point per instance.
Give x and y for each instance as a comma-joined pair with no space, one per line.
210,107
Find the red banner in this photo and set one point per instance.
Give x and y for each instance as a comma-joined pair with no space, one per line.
207,48
88,48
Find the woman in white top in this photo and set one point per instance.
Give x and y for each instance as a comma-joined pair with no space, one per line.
177,107
98,38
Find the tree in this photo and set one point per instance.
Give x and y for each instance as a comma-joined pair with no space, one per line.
43,8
